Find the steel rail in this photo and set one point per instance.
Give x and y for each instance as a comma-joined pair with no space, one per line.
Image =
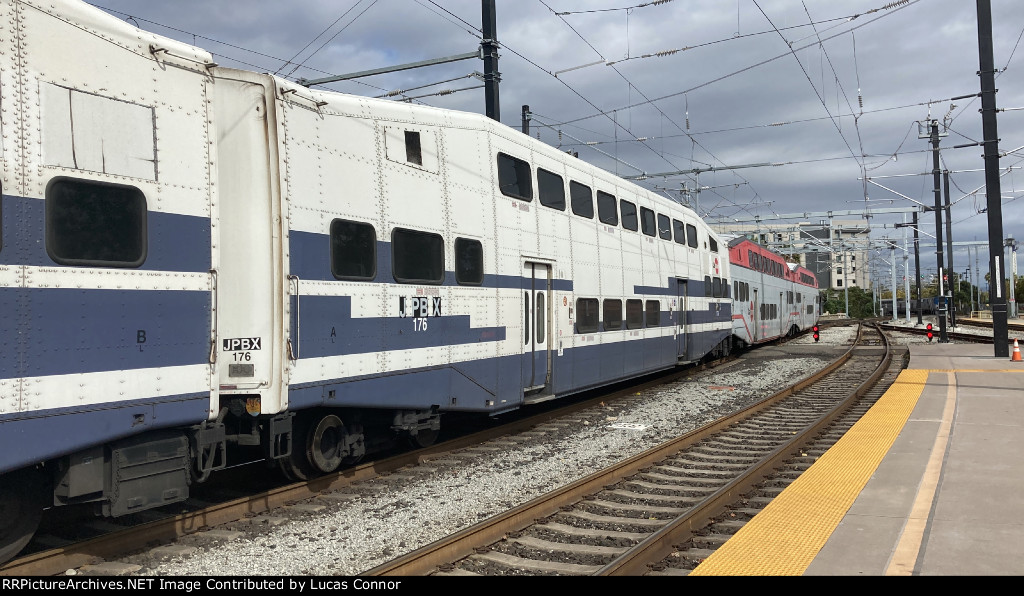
426,559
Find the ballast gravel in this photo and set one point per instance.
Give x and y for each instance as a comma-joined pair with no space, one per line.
370,527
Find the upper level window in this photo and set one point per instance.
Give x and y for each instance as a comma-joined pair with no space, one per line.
469,262
551,189
582,200
607,210
628,215
691,235
679,231
417,257
664,227
514,177
647,221
353,250
714,244
95,223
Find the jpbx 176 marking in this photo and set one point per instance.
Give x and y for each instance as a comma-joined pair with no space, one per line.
241,344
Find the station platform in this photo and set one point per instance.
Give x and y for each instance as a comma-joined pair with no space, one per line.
929,482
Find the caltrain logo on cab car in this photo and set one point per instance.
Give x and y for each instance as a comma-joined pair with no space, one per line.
419,307
716,266
241,344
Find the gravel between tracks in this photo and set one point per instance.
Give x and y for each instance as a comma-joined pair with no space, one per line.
350,537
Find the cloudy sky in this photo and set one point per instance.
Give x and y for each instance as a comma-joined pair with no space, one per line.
831,90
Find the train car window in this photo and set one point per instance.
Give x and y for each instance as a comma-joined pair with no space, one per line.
647,221
607,211
716,285
514,178
541,327
612,315
353,250
417,257
95,223
653,313
628,215
586,315
799,297
678,231
691,235
582,200
413,153
469,262
634,314
551,189
664,227
707,286
714,244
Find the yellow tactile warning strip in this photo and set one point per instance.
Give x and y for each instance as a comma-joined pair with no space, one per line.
905,555
784,538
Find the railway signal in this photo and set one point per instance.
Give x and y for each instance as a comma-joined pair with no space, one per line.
930,334
815,330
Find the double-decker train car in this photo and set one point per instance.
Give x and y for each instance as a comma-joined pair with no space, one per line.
771,297
198,262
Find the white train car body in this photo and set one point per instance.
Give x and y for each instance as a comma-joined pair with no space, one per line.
771,297
194,257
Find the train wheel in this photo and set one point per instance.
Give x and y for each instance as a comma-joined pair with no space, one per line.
424,438
328,444
20,512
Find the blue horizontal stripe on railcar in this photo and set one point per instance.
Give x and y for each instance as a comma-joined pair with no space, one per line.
474,383
175,242
327,328
32,437
59,331
310,259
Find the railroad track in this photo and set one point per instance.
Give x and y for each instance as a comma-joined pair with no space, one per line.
84,540
620,520
954,335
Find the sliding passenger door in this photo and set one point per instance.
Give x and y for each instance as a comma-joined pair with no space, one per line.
536,325
681,322
755,313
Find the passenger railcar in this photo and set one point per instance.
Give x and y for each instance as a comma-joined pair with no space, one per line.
197,262
772,298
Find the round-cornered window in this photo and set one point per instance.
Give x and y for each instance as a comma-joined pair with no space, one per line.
96,224
417,257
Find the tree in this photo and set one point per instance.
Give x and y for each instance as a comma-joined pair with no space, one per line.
860,302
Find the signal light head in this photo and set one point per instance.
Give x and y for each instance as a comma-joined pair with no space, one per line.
815,329
930,334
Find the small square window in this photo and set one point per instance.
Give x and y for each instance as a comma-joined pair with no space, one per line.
353,250
413,153
469,262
